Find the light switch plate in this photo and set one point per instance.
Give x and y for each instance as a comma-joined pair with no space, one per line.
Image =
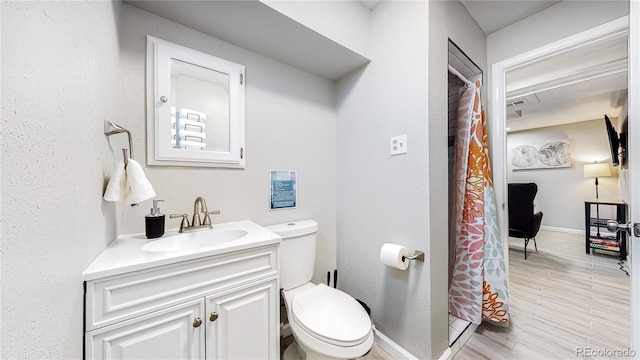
398,145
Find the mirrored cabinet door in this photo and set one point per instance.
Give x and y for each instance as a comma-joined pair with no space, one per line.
195,107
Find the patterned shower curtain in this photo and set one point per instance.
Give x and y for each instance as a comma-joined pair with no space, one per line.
478,288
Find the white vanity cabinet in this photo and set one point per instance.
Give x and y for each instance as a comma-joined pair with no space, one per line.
223,306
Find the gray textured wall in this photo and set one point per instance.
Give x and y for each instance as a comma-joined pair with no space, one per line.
68,66
383,198
290,125
59,81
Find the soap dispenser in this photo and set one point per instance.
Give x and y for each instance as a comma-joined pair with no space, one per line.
154,222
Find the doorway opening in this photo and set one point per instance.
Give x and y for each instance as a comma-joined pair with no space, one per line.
544,315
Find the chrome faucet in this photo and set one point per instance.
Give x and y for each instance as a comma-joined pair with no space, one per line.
195,223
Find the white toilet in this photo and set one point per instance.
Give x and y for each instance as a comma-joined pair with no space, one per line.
326,323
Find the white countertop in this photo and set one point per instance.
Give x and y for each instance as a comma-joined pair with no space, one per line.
125,254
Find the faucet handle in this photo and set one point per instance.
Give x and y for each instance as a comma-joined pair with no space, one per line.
207,220
185,220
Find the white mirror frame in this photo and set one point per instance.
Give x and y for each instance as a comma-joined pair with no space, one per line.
159,152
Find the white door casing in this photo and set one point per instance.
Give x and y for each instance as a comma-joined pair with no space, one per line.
498,134
633,161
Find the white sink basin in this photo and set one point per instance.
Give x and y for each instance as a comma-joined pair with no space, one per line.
194,240
135,252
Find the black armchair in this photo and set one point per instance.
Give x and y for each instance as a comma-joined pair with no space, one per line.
523,223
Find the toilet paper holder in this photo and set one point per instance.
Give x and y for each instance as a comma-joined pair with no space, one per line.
417,255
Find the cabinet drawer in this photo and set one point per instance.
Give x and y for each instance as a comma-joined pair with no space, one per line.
113,299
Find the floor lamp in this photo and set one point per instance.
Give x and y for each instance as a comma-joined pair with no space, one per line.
597,170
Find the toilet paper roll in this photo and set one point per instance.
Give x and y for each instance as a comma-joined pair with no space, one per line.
394,255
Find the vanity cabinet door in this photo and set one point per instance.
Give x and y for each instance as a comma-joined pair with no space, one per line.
244,323
173,333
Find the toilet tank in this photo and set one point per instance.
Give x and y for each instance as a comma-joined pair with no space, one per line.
298,251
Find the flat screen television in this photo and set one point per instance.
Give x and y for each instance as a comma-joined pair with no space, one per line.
614,142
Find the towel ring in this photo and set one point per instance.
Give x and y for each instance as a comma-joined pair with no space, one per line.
112,129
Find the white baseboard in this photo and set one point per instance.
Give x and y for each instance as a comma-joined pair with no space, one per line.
396,351
446,355
564,230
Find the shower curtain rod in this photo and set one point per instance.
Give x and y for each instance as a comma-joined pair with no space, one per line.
457,73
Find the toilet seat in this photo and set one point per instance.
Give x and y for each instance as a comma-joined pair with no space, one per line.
331,316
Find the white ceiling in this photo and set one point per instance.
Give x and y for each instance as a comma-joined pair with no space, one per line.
560,89
578,85
256,26
494,15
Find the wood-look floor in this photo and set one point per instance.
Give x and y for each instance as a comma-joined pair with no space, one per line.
561,299
376,352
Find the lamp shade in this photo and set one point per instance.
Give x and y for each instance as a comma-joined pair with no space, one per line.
597,170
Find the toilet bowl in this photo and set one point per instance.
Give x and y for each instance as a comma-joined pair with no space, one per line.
325,322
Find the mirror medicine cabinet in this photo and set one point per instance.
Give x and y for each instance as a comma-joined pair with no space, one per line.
195,108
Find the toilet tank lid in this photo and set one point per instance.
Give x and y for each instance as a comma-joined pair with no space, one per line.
294,228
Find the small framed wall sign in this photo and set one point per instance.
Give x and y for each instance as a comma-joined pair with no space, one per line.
283,189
